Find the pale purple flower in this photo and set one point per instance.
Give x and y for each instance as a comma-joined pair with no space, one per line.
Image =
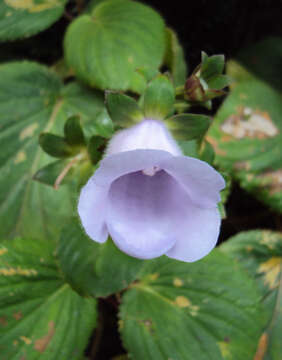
151,199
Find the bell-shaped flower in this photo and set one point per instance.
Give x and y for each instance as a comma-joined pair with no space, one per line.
150,198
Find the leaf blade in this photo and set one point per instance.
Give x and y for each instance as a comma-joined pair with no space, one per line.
19,19
173,295
32,291
85,263
260,252
125,36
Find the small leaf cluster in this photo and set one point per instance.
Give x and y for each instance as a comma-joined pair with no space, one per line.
76,154
158,103
207,81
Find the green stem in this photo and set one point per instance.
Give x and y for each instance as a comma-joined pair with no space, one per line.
179,90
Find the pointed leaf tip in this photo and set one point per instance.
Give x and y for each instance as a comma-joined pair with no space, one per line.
159,98
73,131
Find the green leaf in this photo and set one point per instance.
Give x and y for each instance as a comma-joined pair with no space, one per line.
260,252
188,126
175,59
33,100
21,18
41,317
91,268
159,98
55,145
73,131
91,5
211,66
247,135
205,310
105,47
123,109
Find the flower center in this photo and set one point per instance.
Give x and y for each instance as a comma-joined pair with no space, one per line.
151,171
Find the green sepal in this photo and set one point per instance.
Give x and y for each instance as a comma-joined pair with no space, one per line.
76,170
102,126
181,106
219,82
206,152
175,59
158,101
211,65
148,74
188,126
94,269
123,109
138,83
73,131
95,148
50,173
55,145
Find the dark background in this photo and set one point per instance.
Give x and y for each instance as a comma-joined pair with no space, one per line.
220,26
215,26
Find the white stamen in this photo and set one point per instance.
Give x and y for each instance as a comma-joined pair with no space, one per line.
151,171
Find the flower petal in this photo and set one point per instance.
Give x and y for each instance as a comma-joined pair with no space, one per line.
144,213
92,210
148,134
116,165
201,181
198,235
